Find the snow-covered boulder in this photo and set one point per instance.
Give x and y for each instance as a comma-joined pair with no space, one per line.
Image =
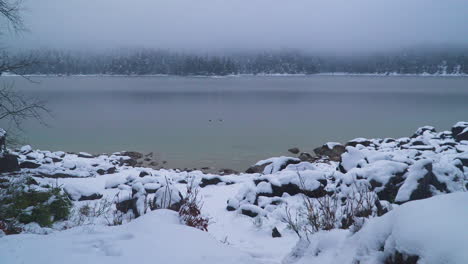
332,150
168,197
425,231
460,131
82,192
272,165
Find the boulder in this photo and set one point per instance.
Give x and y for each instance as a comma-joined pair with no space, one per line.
426,184
126,205
462,135
294,150
132,154
304,156
251,210
26,149
144,173
420,131
227,172
390,190
85,155
168,197
275,233
57,175
9,163
359,141
29,165
257,168
458,128
94,196
331,150
209,181
272,165
110,170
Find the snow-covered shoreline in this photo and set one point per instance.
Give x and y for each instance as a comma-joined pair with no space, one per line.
248,211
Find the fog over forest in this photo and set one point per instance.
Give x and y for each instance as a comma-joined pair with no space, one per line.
334,27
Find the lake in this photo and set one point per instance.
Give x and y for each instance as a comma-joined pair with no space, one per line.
232,122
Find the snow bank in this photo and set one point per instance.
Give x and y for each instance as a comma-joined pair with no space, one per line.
156,237
433,231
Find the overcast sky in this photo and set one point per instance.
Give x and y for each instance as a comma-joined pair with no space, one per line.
332,25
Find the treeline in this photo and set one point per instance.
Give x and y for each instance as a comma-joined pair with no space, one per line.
154,62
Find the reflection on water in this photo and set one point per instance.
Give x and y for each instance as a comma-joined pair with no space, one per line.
232,122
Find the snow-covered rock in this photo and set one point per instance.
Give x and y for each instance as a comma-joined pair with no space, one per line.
427,231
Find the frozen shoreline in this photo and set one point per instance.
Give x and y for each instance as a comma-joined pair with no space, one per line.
247,210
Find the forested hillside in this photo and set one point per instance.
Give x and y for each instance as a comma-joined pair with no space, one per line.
152,62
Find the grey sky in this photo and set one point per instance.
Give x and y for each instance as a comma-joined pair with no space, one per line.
332,25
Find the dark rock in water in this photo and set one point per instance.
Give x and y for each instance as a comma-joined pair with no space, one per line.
304,156
425,185
133,158
132,154
275,233
9,163
94,196
227,171
294,150
144,173
129,162
29,165
333,152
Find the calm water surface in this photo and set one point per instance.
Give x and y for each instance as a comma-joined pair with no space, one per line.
234,121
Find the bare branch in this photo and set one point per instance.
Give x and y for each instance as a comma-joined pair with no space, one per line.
15,107
10,11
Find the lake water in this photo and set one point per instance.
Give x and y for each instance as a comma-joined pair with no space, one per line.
232,122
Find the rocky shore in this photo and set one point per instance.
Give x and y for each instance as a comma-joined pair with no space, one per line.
388,172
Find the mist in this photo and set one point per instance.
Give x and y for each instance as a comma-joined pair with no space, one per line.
340,26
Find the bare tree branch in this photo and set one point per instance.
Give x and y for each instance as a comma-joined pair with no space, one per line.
15,107
10,12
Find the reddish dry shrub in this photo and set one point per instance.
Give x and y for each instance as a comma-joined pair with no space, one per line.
190,209
9,229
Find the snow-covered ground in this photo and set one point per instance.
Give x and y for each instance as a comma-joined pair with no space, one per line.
157,237
248,212
434,230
